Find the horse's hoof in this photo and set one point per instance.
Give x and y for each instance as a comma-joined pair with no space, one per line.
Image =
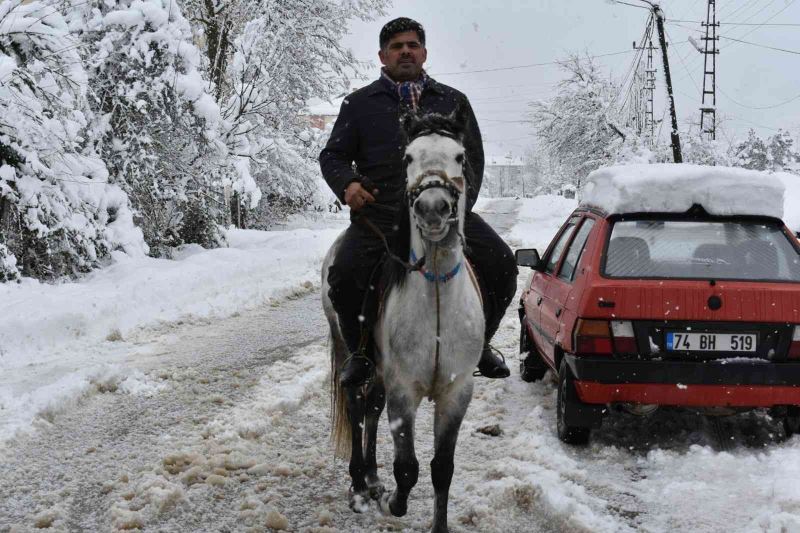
359,502
390,506
376,491
383,503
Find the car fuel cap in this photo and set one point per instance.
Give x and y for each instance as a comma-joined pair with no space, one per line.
714,302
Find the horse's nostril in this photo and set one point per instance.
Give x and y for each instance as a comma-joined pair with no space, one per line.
443,207
417,208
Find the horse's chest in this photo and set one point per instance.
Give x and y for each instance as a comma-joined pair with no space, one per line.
413,325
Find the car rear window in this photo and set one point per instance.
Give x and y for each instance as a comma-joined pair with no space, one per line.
701,249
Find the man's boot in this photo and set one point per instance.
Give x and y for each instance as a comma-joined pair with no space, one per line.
356,370
490,365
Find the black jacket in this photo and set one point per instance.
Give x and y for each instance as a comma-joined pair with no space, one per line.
367,133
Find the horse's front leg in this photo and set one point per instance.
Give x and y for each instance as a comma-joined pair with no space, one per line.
359,492
402,408
376,401
450,410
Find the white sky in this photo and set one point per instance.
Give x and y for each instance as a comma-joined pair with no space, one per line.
466,35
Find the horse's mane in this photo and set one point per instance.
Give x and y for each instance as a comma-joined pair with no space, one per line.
414,126
451,125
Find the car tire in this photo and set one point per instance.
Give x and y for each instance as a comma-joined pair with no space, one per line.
791,421
568,399
532,368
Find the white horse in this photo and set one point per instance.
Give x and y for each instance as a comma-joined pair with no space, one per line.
429,335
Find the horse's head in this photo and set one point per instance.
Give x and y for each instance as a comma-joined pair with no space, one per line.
435,184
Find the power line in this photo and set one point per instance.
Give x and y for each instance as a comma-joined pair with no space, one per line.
634,64
514,67
632,5
754,28
685,67
792,99
760,45
793,24
789,3
722,36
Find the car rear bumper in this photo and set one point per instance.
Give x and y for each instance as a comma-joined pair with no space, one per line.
688,383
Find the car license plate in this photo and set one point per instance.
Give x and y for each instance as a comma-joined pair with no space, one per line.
711,342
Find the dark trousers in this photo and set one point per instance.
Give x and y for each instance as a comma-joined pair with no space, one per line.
355,274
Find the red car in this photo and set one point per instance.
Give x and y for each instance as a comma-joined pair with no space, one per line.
645,302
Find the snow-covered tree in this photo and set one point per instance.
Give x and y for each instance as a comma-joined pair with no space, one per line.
752,152
159,131
58,213
702,151
266,59
578,127
781,151
776,153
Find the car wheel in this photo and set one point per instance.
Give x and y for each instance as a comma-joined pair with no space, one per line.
791,422
532,368
568,399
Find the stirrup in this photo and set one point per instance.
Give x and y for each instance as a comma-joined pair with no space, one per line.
477,373
349,362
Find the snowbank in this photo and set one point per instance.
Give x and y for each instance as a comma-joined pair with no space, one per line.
56,339
791,200
674,188
538,220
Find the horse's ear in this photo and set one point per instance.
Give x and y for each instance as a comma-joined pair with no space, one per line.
462,115
408,119
459,117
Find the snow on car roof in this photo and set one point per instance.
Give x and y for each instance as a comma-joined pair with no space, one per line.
674,188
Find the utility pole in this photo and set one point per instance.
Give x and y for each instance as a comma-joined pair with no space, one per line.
648,89
708,113
676,140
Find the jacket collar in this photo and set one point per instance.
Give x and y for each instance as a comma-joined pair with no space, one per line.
377,87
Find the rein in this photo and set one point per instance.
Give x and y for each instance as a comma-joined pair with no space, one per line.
413,193
418,264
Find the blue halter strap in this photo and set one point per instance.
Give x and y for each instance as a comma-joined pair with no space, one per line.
430,276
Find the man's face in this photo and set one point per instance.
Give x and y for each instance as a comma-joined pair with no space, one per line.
403,56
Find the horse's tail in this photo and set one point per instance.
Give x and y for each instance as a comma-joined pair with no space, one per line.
341,431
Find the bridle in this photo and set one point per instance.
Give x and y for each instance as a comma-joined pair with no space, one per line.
445,182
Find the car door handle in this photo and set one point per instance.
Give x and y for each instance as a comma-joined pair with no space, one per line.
558,313
539,300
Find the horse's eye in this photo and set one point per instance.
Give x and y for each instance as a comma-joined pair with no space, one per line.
408,159
460,158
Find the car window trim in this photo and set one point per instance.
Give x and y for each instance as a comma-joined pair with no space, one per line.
584,220
577,217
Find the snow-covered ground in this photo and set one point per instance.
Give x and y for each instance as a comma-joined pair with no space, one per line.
55,340
196,422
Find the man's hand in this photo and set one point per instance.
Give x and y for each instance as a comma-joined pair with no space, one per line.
356,196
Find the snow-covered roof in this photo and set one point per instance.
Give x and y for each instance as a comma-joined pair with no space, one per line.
504,161
674,188
318,106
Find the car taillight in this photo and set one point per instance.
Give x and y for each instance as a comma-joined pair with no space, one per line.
593,337
624,340
794,348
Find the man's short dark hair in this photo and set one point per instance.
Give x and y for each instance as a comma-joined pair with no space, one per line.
400,25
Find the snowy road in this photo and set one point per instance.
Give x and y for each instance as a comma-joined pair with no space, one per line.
226,429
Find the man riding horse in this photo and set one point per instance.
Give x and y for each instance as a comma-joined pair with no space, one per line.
363,164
